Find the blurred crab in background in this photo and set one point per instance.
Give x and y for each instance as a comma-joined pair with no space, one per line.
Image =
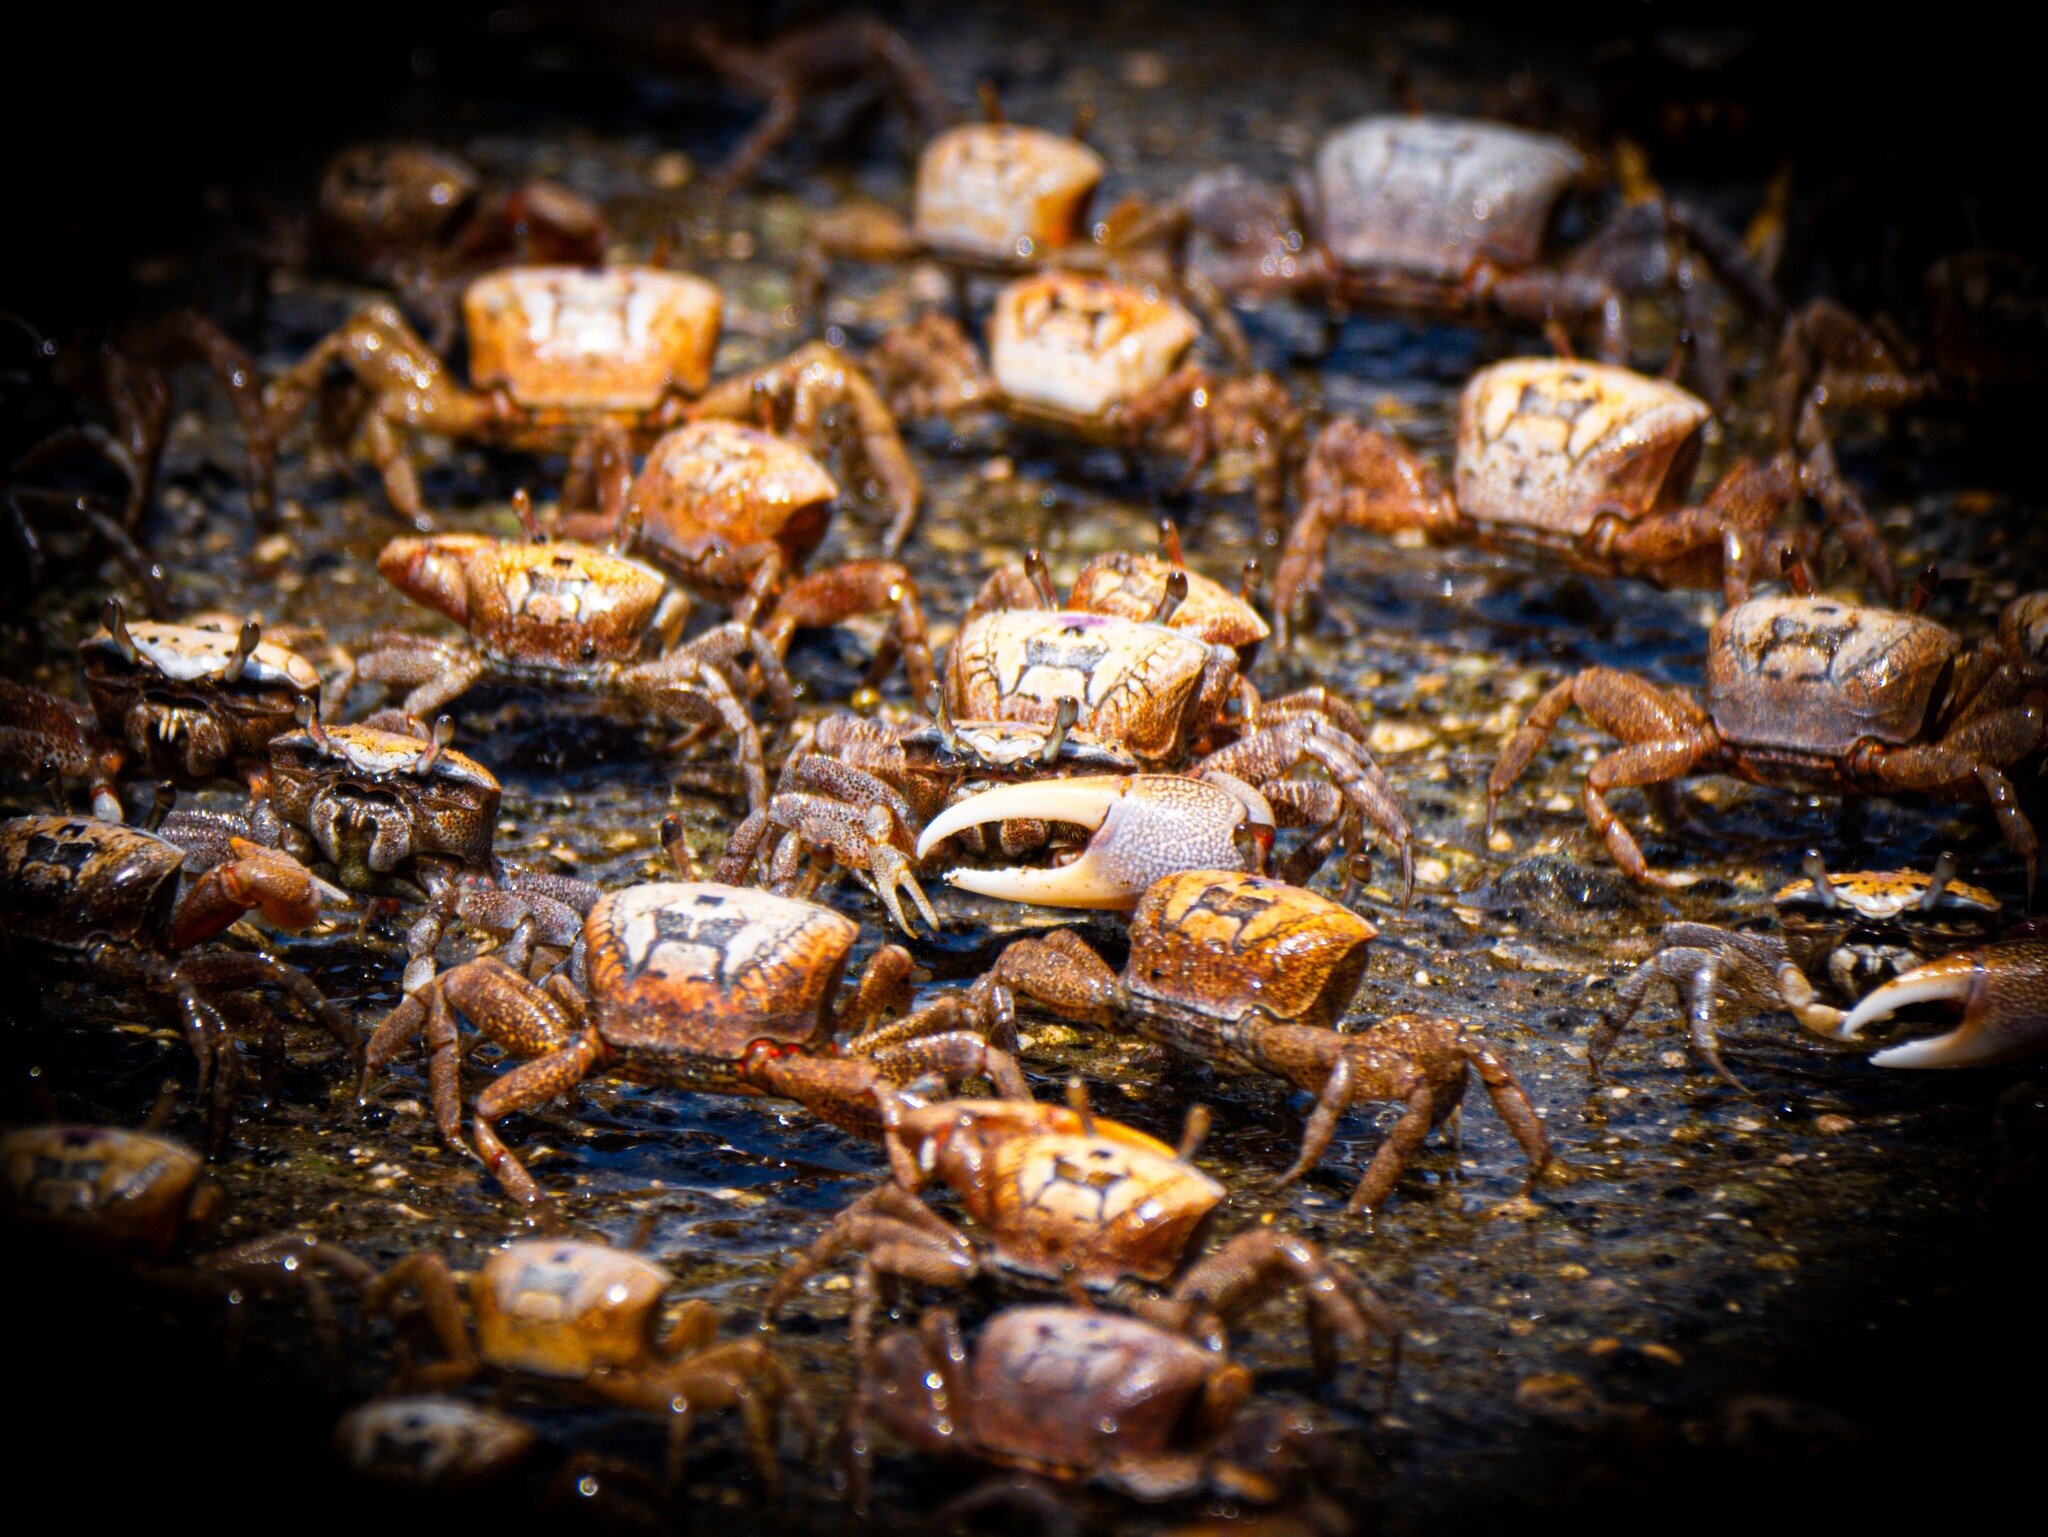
556,353
591,1315
1578,462
1104,362
1452,217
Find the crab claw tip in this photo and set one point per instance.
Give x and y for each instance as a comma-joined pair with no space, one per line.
1081,883
2004,992
1084,801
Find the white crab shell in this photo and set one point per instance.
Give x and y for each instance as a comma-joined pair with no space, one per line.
1082,347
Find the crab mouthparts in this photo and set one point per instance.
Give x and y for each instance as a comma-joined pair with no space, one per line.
1144,826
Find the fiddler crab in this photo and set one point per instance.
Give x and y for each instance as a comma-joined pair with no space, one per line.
144,1200
1853,928
734,513
567,617
556,353
701,986
1061,1197
1451,217
117,904
397,816
1031,694
1252,975
1584,463
185,704
1074,1395
1102,361
1815,693
592,1315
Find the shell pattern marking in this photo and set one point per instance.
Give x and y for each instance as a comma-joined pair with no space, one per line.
1550,445
1073,1380
1021,663
1222,945
68,878
732,481
190,653
562,602
559,1308
997,191
695,953
1081,346
570,338
1427,196
1886,894
1816,674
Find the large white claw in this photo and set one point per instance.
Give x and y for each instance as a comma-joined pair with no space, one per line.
2004,992
1145,826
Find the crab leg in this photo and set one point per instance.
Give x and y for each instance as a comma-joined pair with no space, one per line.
2004,992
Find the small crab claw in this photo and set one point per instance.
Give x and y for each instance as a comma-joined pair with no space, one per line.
2003,989
1145,826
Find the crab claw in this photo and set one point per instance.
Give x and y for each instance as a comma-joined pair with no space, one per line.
1144,825
2004,992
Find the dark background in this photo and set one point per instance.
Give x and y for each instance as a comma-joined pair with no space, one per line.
118,129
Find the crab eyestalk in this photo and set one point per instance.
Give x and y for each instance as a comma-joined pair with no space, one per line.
1171,598
444,734
2003,989
1252,580
245,647
308,712
1169,542
116,620
1143,826
1924,589
522,508
1064,716
1938,881
677,848
1040,578
1815,869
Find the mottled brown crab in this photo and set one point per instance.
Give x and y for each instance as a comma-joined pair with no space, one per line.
1061,1196
1579,462
1252,974
78,894
189,704
1815,693
399,816
590,1314
700,986
566,617
1103,361
1451,217
1855,928
1074,1395
735,513
143,1200
558,352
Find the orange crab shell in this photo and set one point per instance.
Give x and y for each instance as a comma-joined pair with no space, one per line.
1136,684
717,481
1057,1190
1225,945
1130,587
1082,347
1819,675
557,601
563,1309
1430,196
712,969
1002,191
115,1191
1551,446
570,338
